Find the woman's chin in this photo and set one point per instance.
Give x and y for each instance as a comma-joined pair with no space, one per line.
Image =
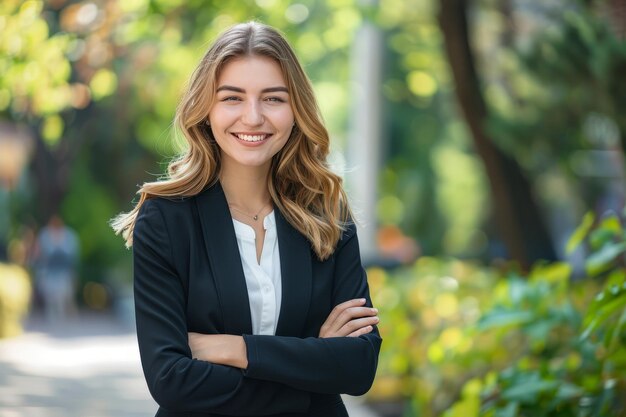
251,162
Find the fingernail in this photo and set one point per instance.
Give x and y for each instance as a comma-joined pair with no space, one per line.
362,300
375,310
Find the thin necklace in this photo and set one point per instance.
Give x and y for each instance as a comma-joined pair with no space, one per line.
255,217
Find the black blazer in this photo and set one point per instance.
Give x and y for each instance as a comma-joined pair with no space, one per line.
189,278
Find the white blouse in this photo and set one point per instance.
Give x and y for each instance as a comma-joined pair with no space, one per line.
263,279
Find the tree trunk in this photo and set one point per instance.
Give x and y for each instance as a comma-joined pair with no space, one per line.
519,222
616,13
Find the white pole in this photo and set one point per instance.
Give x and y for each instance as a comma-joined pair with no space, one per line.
363,150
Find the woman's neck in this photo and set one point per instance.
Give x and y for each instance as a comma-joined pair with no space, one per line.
246,189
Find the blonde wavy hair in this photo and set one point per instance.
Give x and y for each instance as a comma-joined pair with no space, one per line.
302,186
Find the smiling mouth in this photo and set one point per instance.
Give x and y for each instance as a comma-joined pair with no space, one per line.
252,138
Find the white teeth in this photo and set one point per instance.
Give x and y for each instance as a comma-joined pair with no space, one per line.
252,138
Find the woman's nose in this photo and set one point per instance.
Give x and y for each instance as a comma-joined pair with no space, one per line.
253,115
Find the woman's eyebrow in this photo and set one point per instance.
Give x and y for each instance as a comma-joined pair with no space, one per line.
241,90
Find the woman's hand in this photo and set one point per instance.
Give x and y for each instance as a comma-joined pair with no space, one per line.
221,349
350,319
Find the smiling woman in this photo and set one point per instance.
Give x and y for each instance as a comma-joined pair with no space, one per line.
250,295
251,119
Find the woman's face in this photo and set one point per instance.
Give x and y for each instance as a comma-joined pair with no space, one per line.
252,118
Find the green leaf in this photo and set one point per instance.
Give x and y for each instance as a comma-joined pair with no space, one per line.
607,229
505,318
601,311
611,223
510,410
540,330
580,233
529,390
467,407
554,273
568,391
618,357
608,295
590,328
52,129
608,335
601,261
600,237
617,277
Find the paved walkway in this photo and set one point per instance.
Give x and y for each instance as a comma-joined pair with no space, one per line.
85,367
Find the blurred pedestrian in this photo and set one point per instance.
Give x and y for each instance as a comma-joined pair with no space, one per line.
56,261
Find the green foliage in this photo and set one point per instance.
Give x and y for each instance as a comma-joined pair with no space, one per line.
112,83
556,97
15,294
34,69
430,169
572,359
430,349
464,341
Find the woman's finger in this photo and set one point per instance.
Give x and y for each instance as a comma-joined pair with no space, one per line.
340,308
350,327
355,324
342,320
361,331
329,324
353,313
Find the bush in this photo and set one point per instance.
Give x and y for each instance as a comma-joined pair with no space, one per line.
15,293
464,340
581,371
426,311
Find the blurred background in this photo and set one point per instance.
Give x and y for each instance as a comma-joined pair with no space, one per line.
482,144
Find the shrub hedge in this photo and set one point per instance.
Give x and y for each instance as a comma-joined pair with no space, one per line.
464,340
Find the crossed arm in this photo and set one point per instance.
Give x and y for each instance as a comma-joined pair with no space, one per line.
237,375
348,319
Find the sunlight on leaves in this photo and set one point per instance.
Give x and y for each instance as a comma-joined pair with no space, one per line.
52,129
580,233
103,83
421,84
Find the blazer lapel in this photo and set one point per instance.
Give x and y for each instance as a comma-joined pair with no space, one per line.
225,262
296,276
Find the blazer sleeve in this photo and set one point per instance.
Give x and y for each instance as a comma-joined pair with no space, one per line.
176,381
323,365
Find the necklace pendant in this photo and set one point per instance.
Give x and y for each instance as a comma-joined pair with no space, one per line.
256,217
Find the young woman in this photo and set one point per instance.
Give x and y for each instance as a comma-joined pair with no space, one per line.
250,296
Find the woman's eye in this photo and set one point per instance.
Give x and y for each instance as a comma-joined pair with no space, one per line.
230,98
275,99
